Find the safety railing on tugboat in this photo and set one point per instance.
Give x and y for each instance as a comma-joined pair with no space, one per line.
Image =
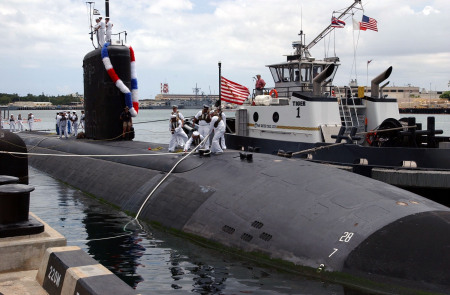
286,92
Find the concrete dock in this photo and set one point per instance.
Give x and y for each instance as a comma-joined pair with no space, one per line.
21,257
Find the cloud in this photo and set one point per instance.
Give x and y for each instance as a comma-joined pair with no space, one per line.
181,41
429,10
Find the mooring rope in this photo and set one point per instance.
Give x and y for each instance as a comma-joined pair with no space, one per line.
167,175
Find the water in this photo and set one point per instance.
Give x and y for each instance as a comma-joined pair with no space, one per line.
151,261
153,125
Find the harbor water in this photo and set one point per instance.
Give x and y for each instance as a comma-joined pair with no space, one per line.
153,125
149,259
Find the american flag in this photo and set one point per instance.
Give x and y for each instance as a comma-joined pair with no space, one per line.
233,92
368,23
337,23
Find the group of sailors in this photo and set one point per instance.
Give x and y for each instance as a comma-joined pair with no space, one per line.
102,30
68,123
19,121
207,123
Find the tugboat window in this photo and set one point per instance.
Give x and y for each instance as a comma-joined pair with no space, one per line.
276,77
316,70
304,74
275,117
255,116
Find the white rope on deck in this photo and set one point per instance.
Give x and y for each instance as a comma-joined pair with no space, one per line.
73,155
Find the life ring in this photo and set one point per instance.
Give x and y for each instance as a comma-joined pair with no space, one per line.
274,91
370,137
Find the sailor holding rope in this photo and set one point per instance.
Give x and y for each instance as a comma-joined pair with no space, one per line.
218,126
176,128
195,140
202,118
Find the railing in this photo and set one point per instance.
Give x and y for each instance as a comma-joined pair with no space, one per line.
120,34
286,92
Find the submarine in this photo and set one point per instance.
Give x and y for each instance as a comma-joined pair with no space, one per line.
292,213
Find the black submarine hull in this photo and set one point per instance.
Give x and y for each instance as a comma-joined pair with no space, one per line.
301,212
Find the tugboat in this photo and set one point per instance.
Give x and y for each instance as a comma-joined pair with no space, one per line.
306,116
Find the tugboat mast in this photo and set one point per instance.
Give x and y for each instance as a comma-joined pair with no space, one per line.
303,51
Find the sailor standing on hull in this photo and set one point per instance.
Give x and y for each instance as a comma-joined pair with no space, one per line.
176,128
57,123
69,122
30,121
203,119
82,120
62,125
12,123
224,119
19,123
74,119
219,129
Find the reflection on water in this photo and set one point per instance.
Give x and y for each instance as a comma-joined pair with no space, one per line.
152,261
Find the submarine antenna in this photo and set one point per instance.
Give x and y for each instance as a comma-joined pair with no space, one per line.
106,8
90,21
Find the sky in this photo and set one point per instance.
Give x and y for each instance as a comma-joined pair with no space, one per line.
180,42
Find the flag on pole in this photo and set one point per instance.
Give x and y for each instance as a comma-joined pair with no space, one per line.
368,23
369,61
357,25
233,92
337,23
95,12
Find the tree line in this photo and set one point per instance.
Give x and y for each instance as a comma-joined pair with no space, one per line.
6,98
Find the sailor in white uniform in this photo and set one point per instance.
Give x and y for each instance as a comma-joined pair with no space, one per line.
12,123
62,125
30,121
19,123
109,26
74,119
181,117
219,129
96,30
202,119
82,118
176,128
101,32
195,140
224,119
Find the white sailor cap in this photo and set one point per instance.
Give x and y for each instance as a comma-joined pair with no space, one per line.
205,106
196,133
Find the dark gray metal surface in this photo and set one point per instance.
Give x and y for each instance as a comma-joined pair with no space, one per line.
291,209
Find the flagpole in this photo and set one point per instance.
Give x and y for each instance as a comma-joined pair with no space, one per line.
367,81
220,83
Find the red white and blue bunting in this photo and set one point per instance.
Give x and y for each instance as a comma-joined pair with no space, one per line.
131,97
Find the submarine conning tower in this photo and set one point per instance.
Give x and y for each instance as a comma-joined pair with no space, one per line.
103,101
